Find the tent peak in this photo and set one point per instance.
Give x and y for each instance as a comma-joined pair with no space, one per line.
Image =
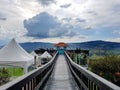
46,55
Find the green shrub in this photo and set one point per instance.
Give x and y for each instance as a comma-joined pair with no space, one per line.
4,76
108,67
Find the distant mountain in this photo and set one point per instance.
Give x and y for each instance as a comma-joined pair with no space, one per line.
104,45
29,46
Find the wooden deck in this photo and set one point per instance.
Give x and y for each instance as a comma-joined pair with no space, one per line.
61,78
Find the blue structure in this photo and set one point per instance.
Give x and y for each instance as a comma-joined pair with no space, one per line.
61,50
61,47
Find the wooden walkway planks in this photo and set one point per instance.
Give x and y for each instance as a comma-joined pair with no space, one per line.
61,78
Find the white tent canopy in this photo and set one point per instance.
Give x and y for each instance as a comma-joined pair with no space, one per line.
45,55
38,59
34,53
13,54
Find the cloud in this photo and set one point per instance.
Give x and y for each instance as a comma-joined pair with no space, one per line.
114,39
102,12
8,9
51,20
46,2
39,25
116,8
116,32
45,25
92,12
88,28
66,19
12,14
66,5
73,22
79,38
2,18
80,20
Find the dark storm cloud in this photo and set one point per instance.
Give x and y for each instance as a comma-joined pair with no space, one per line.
76,19
46,2
67,19
80,20
45,25
66,5
92,12
2,17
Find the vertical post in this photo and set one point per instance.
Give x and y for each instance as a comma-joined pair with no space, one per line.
25,69
35,61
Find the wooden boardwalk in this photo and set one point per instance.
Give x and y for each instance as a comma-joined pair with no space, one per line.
61,78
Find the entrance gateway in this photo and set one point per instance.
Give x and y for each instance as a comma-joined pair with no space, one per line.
61,47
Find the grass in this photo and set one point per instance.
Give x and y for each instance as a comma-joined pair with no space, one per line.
16,72
94,57
8,74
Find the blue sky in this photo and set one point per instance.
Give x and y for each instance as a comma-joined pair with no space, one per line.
59,20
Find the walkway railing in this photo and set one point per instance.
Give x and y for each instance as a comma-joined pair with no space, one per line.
87,80
34,80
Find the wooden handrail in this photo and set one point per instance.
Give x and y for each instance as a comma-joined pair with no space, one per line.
33,80
87,80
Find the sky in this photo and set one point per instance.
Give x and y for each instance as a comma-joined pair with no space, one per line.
59,20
